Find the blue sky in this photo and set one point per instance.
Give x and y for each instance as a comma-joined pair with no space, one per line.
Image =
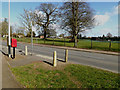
106,13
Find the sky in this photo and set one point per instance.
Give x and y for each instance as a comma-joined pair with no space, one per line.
106,14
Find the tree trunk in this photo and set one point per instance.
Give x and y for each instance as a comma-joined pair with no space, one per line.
75,40
45,33
75,17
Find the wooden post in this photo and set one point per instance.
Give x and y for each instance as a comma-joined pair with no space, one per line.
36,40
66,55
26,50
91,43
53,41
109,44
44,40
54,59
64,41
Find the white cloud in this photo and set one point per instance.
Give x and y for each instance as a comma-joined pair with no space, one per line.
2,19
101,31
40,13
105,31
101,19
116,10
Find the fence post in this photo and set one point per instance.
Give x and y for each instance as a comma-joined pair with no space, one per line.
109,44
36,40
26,50
54,59
91,43
25,39
64,41
44,40
66,55
53,41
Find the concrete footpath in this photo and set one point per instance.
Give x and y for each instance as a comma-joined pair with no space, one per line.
0,70
8,80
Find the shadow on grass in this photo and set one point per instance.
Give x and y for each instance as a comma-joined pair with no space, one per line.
48,63
3,53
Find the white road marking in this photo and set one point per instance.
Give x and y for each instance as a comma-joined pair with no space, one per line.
43,56
47,57
8,63
93,57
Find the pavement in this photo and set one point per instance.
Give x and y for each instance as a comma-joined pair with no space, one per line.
8,80
0,68
21,59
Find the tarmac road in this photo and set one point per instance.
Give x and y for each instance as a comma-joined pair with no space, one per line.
103,61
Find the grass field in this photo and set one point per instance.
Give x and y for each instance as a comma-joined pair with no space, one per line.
85,44
36,75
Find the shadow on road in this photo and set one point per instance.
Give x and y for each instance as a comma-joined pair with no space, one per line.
6,54
12,57
3,53
60,60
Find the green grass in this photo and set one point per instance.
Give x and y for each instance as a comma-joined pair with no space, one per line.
93,78
71,76
84,44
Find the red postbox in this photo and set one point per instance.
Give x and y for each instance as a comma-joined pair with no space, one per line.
14,43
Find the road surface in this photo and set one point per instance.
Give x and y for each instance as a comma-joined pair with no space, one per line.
103,61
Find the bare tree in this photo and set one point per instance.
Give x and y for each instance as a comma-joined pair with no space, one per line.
76,17
27,20
109,35
20,30
48,15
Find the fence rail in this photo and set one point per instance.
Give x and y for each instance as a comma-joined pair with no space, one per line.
82,43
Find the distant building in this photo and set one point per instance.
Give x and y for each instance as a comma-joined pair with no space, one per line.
69,37
20,36
5,35
89,37
41,36
52,37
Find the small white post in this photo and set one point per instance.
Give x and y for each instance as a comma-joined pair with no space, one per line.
26,53
54,59
66,55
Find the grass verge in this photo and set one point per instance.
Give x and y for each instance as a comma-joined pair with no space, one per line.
84,44
70,76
